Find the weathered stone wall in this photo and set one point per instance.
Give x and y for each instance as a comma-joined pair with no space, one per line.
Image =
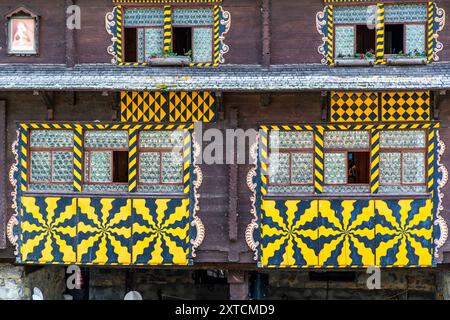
17,282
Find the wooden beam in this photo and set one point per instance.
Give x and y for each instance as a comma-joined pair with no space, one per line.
265,31
233,178
48,98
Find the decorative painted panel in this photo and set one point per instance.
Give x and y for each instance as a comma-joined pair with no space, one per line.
168,106
346,233
415,39
161,232
404,233
289,233
406,13
345,41
104,231
353,106
406,106
48,230
202,45
364,106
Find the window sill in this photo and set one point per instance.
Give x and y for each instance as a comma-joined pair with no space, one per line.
405,61
170,61
344,196
354,62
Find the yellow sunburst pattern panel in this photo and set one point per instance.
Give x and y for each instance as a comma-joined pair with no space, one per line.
48,230
168,106
404,232
289,233
161,232
346,233
104,231
406,106
354,106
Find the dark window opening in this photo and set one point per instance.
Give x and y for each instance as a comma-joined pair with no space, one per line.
394,39
182,40
130,45
120,166
358,167
365,40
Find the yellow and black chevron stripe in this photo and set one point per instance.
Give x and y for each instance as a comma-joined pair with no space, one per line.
216,35
167,29
132,158
375,161
187,161
354,127
78,159
318,159
23,156
380,29
330,35
264,158
431,159
119,31
430,31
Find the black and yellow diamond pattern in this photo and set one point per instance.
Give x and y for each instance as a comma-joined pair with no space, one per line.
167,106
406,106
354,107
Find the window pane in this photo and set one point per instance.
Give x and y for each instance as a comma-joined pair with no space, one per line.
100,166
279,168
193,17
353,14
149,167
335,168
413,167
103,139
302,168
143,17
51,138
390,167
291,139
347,139
402,189
172,167
62,164
405,13
345,41
154,42
402,139
202,51
161,139
415,39
40,167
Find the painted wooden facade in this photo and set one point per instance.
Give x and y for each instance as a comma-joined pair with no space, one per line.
219,222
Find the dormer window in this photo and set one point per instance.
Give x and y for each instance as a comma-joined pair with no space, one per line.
382,33
22,26
177,32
